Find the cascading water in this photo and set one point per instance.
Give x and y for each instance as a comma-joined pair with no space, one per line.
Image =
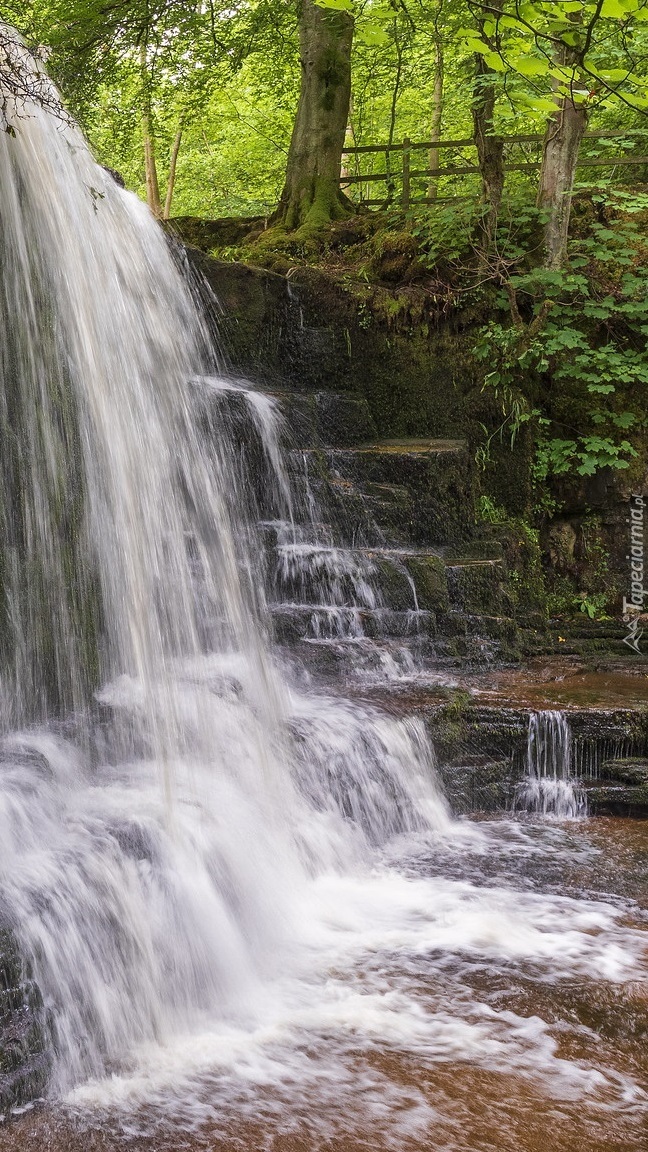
549,785
229,891
121,567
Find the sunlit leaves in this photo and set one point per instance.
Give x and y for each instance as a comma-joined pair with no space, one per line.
587,51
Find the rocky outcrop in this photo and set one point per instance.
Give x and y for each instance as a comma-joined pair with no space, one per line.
410,366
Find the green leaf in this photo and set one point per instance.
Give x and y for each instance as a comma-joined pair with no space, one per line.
624,419
372,36
340,5
529,65
617,9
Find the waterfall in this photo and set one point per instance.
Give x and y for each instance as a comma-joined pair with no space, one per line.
549,785
166,796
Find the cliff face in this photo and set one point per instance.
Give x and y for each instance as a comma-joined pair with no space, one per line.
412,365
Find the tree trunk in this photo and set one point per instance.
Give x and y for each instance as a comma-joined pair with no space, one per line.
150,167
562,141
490,150
437,116
312,195
349,141
172,173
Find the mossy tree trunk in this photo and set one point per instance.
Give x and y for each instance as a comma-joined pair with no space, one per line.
311,196
437,118
490,149
565,131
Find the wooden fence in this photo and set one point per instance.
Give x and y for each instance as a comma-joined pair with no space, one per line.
407,176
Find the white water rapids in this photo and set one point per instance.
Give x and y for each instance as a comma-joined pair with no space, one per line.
212,875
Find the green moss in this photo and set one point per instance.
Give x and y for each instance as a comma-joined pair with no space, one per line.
429,576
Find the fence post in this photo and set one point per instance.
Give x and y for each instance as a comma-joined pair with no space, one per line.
406,172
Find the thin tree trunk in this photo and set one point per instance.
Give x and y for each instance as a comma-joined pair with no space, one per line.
172,173
150,168
490,149
389,181
565,131
311,196
437,117
349,141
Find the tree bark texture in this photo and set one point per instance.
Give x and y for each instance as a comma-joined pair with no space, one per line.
490,149
437,117
177,140
311,196
565,131
150,167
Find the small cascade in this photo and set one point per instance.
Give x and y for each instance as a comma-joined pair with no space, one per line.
549,786
321,588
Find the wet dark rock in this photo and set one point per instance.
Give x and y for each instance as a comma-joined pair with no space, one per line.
437,473
619,788
25,1057
412,363
430,580
117,176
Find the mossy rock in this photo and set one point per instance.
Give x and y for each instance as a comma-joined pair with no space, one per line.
429,576
605,799
477,586
628,770
343,419
480,787
437,473
396,257
25,1056
390,506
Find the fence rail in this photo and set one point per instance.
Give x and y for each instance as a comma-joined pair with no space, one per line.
405,174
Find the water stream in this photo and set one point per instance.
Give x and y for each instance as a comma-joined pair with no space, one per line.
549,786
248,910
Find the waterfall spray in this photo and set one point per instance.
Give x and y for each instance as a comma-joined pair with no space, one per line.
135,662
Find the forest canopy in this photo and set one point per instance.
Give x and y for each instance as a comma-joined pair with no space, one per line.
216,108
491,154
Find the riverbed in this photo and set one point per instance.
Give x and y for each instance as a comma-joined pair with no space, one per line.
475,991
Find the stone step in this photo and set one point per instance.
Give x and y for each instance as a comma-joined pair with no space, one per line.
438,475
479,586
391,507
365,662
631,770
608,799
479,784
324,419
294,622
342,577
398,578
618,788
471,624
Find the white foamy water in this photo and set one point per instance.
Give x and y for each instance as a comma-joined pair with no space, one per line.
212,876
549,787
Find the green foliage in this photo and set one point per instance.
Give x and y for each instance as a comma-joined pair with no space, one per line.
443,230
593,604
584,337
489,512
588,51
